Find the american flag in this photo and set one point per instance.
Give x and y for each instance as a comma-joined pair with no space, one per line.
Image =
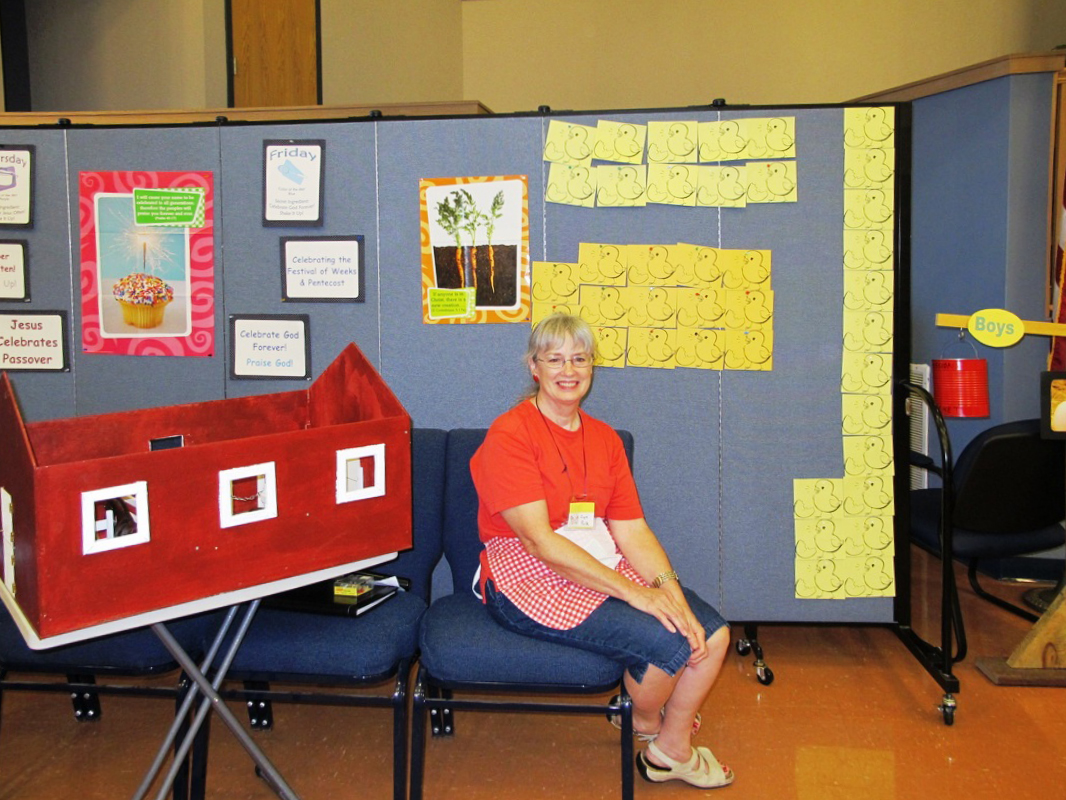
1057,359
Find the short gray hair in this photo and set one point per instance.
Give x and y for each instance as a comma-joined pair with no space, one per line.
554,329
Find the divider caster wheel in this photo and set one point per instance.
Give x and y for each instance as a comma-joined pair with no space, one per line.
750,644
764,674
947,708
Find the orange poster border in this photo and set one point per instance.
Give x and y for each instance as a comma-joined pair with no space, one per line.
522,312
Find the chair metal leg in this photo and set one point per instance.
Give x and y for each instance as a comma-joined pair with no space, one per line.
86,701
971,572
181,787
399,733
418,734
198,762
627,745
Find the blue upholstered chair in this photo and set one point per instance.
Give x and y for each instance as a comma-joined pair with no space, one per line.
464,649
1004,497
138,653
299,647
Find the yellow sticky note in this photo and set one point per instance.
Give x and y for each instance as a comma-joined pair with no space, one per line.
652,347
755,269
772,182
672,184
545,308
602,305
721,141
555,281
611,346
868,494
700,348
601,263
868,250
672,142
866,168
869,535
701,308
817,497
866,373
869,209
622,186
865,414
663,262
868,331
817,579
722,187
819,537
772,137
868,290
868,455
749,349
707,270
573,186
570,144
749,309
870,576
650,306
620,141
873,126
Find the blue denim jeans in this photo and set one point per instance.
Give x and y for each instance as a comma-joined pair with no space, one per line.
615,630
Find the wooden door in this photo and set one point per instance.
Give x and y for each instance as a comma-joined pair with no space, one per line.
275,59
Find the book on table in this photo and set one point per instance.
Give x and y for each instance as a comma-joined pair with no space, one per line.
352,594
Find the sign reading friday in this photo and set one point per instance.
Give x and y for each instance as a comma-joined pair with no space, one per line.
292,182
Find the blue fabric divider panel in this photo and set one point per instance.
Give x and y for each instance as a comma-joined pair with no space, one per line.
253,278
716,453
978,230
45,395
104,382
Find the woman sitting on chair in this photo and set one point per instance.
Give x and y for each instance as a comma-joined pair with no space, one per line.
569,558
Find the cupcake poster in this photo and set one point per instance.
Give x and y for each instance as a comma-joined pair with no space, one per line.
147,263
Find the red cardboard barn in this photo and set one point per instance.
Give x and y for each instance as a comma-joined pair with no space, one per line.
188,507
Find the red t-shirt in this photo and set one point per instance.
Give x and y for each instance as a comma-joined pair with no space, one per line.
525,457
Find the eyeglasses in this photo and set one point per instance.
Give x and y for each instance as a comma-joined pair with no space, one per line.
579,361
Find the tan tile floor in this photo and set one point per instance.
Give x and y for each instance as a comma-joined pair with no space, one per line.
850,715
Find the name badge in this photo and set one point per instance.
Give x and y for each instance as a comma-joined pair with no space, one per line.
582,515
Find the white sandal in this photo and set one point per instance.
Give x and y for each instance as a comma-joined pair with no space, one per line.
702,769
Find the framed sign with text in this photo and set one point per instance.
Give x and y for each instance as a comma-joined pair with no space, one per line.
17,185
322,268
293,182
14,278
34,341
275,346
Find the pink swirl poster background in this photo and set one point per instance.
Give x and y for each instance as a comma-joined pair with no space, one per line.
200,339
